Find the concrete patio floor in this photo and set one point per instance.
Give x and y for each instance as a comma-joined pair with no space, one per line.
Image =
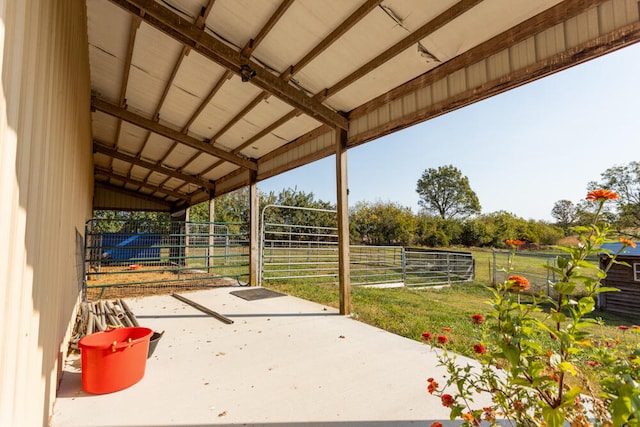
283,362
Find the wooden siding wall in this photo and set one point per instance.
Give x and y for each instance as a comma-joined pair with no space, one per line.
627,301
46,184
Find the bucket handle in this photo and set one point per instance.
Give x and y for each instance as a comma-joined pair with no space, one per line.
125,344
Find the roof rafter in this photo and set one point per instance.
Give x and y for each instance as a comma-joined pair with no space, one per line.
431,26
110,174
134,194
200,20
102,149
345,26
128,116
197,39
422,32
352,20
126,69
247,51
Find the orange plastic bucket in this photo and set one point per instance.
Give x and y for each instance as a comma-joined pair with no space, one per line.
114,360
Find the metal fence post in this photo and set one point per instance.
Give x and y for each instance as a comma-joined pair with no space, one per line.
495,271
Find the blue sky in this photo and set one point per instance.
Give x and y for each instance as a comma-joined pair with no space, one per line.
522,150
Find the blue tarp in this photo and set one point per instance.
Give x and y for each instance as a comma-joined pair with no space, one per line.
131,247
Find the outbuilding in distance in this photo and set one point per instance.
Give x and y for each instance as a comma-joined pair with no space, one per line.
626,278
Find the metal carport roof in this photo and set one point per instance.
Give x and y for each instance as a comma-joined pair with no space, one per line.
192,99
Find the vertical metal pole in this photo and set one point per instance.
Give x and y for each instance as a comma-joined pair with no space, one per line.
403,261
186,237
343,222
254,245
493,279
85,260
212,230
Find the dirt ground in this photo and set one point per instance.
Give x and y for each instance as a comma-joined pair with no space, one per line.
125,281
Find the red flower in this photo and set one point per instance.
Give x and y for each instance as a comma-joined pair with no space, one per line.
436,424
478,348
447,400
433,386
477,319
446,329
596,195
519,283
514,242
426,336
467,416
623,328
635,327
627,242
442,339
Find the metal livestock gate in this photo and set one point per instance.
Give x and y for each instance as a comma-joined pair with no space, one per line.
302,244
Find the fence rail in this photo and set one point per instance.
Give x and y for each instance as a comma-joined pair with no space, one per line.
170,255
531,265
424,267
292,251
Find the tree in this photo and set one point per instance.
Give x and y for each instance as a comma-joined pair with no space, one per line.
565,213
624,180
447,193
382,223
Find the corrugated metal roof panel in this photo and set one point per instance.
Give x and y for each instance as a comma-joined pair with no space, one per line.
104,127
628,251
230,20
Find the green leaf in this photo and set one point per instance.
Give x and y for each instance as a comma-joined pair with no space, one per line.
586,305
512,354
567,367
564,287
562,262
558,317
606,289
620,410
569,397
553,416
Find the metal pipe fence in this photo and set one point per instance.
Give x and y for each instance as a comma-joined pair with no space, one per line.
125,258
292,251
429,267
532,266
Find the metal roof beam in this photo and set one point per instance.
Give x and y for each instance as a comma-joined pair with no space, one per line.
102,149
134,194
174,25
138,183
126,115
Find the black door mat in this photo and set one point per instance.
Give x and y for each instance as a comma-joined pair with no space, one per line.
256,293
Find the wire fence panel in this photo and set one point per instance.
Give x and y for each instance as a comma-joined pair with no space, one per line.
427,267
376,265
529,265
302,243
533,267
125,258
